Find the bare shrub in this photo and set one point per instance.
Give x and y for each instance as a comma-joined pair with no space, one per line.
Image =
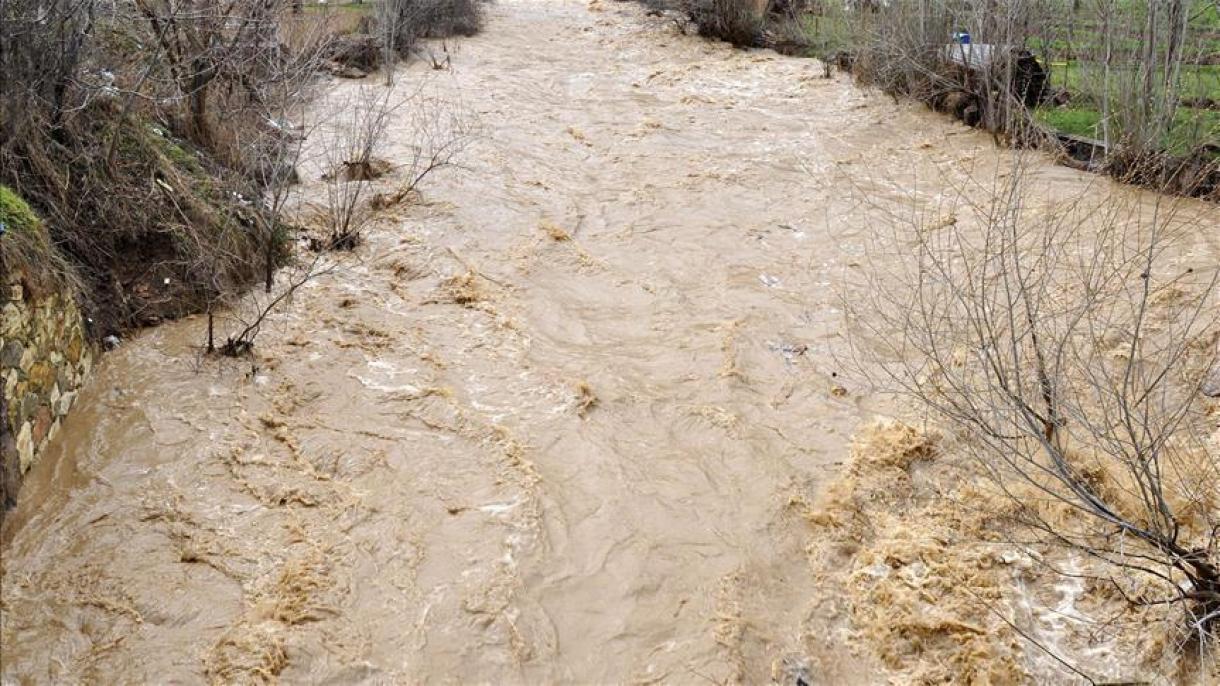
251,312
356,53
270,154
273,153
349,132
454,18
398,27
1065,342
440,131
739,22
356,131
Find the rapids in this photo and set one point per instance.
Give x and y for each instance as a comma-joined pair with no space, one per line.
578,468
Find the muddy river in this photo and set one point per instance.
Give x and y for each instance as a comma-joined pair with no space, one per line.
543,427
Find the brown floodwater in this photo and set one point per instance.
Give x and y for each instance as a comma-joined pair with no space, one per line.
477,452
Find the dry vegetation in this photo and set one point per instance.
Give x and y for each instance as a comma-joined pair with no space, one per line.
1130,86
744,23
919,572
739,22
1131,89
158,141
112,137
1062,344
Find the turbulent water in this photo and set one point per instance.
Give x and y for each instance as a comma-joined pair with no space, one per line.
543,428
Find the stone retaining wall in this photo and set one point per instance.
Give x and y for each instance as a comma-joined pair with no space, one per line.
45,358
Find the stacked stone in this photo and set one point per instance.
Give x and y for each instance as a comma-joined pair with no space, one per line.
44,361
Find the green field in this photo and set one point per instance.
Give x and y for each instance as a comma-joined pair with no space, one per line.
1071,44
1190,128
1085,79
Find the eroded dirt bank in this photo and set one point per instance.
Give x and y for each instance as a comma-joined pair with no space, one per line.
487,453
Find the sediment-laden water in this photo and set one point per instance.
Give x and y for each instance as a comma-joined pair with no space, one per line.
544,427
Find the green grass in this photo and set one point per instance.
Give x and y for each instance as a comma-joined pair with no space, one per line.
1195,81
827,34
15,214
24,242
182,158
1085,27
1072,120
1189,130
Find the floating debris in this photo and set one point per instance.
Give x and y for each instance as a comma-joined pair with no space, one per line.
790,351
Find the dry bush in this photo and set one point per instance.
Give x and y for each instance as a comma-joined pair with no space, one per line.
356,132
740,22
443,18
355,55
775,24
439,131
349,132
345,136
248,313
1065,342
110,132
402,23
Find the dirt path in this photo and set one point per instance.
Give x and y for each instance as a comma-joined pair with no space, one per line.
486,453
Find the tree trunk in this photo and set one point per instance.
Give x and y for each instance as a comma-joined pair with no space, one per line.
198,101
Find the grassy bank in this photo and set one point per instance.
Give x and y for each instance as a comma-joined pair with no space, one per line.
1189,128
1143,79
26,243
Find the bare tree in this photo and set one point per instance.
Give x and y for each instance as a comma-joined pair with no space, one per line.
1066,341
349,132
270,150
397,25
402,23
225,55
